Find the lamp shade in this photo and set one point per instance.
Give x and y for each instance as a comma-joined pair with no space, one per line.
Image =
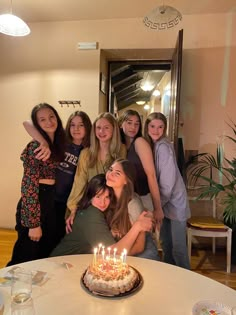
140,102
162,18
12,25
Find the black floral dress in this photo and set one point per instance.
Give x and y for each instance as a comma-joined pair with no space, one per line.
35,208
34,170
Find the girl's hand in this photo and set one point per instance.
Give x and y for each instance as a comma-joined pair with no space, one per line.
145,222
69,222
43,152
158,216
35,234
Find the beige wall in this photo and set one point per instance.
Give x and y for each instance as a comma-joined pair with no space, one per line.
46,66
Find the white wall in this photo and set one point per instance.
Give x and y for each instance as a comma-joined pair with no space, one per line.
46,66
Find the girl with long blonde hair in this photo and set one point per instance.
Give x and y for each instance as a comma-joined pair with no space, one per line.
105,147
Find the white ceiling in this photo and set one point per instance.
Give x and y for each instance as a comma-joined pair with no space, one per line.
69,10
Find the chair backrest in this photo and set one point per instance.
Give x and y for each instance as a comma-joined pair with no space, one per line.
208,205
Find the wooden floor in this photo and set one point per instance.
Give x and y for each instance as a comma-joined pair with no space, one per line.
7,240
202,261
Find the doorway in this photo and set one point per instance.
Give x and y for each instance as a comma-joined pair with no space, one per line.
140,85
128,61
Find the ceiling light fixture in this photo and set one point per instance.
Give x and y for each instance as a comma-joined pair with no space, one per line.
140,102
12,25
146,107
147,87
147,83
162,17
156,93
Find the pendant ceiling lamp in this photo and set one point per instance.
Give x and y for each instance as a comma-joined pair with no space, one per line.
140,102
12,25
163,17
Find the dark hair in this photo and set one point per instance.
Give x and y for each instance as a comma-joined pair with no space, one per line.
120,218
57,147
87,125
151,117
124,117
95,185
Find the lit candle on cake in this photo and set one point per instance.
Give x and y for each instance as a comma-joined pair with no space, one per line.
114,252
99,248
109,251
95,256
103,253
125,255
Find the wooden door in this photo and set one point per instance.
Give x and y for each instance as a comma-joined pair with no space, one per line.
176,67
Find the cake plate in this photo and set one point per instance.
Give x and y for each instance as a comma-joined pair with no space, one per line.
137,286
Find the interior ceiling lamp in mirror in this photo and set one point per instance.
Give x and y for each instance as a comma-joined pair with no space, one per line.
147,86
146,107
12,25
156,93
162,17
140,102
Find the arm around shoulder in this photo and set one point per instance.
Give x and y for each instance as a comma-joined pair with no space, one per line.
80,181
43,152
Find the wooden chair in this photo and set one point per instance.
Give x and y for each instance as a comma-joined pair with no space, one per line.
205,226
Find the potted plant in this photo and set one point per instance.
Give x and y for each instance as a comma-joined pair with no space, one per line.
217,175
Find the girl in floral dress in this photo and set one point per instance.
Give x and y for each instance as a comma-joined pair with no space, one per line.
35,216
78,128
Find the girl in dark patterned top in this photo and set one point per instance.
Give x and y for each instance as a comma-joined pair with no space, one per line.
35,217
78,130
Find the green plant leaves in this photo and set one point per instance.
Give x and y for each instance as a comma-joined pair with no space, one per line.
214,172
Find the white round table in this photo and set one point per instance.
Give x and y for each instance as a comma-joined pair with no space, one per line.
166,290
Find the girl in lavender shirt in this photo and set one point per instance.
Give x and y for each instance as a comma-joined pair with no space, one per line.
172,191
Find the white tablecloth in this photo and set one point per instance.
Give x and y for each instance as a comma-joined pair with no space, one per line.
166,290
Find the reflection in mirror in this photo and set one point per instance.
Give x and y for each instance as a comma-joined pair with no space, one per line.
140,85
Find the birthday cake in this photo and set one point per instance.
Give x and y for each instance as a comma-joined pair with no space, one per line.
110,277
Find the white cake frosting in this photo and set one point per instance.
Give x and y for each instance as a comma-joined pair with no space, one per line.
110,278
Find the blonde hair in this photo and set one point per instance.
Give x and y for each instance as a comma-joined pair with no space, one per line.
151,117
115,142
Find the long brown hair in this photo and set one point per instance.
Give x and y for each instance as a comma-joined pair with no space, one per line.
87,125
96,185
57,147
120,219
124,117
151,117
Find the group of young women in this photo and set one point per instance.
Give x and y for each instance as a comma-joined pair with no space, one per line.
110,177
